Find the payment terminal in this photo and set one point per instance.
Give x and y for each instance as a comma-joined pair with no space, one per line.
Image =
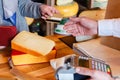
68,71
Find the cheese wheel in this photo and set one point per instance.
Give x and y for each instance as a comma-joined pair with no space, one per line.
20,58
63,2
94,14
68,10
31,43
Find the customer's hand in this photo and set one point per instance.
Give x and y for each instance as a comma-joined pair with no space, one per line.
81,26
94,74
47,11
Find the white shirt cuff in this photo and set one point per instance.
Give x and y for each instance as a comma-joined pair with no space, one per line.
109,27
105,27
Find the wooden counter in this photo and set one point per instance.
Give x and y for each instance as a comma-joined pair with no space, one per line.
37,71
97,50
43,71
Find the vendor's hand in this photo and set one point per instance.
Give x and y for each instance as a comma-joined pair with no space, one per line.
94,74
81,26
47,11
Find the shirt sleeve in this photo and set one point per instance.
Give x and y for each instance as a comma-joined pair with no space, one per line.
29,8
109,27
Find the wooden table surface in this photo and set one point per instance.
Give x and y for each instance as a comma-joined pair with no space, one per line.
36,71
97,50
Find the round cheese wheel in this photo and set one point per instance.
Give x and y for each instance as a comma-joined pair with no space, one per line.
94,14
68,10
63,2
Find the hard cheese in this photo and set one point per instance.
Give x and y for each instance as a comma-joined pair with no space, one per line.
20,58
68,10
63,2
33,44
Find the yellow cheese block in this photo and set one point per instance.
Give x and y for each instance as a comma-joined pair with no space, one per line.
68,10
22,59
31,43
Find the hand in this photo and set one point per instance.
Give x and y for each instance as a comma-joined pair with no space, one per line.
94,74
47,11
81,26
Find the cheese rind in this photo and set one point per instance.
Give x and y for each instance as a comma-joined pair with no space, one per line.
63,2
94,14
31,43
68,10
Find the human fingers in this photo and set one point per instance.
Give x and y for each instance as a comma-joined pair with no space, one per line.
51,10
84,71
46,10
44,16
74,30
68,25
94,74
54,10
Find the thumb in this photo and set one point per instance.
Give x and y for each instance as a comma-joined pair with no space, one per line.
84,71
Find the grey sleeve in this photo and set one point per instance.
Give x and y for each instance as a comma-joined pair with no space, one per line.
29,8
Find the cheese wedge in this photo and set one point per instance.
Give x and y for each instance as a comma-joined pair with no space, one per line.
31,43
20,58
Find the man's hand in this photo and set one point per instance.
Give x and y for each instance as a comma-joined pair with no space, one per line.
94,74
81,26
47,11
